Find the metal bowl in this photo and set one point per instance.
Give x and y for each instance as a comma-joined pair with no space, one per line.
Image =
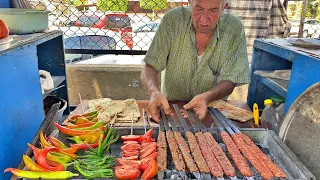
24,21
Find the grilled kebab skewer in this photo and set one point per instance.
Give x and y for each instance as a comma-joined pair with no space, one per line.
175,152
224,162
196,152
232,149
245,150
259,155
162,151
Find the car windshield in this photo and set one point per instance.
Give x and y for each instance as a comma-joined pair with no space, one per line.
118,21
86,21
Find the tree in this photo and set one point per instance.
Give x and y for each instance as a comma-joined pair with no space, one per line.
113,5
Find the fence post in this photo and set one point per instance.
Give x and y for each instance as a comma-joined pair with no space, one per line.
303,17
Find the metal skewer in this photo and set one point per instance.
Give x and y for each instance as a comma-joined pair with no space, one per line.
186,129
174,128
218,117
167,128
161,173
81,103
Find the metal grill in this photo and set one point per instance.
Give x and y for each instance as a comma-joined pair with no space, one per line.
93,27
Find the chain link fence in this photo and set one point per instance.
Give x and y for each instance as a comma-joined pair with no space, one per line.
95,27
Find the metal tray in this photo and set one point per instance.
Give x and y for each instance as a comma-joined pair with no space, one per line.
267,139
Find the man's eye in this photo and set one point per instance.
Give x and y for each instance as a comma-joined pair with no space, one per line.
213,10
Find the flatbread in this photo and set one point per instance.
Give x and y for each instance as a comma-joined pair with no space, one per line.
116,111
231,111
97,104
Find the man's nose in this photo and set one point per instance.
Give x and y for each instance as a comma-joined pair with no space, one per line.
204,17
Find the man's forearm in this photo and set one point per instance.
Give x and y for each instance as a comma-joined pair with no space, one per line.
221,90
149,78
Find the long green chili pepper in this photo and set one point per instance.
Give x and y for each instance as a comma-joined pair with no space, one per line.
44,175
76,139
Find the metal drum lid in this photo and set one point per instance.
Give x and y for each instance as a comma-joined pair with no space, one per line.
300,129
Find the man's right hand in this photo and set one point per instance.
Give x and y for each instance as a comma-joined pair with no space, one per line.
158,100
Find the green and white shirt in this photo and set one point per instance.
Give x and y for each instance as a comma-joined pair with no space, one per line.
173,52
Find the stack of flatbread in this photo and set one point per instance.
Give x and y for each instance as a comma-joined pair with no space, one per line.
231,111
115,111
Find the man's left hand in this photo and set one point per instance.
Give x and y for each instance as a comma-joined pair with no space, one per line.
199,104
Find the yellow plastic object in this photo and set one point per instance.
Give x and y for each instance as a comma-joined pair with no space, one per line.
268,102
256,114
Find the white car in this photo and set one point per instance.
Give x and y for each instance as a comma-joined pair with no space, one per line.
143,36
310,28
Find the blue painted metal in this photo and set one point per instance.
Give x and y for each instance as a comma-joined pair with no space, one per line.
21,105
305,72
21,101
273,86
5,4
269,56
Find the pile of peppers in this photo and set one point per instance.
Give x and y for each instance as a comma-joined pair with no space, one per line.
52,161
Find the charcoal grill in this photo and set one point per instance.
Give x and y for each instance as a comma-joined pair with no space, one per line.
267,140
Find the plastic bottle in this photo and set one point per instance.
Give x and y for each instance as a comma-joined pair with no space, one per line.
269,117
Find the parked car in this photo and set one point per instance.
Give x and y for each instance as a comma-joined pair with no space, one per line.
92,39
310,28
115,22
143,36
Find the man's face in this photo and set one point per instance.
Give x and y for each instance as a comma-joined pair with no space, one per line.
205,14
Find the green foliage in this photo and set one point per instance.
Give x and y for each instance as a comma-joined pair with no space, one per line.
80,2
153,4
113,5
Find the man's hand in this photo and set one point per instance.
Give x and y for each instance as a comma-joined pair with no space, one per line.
200,104
158,100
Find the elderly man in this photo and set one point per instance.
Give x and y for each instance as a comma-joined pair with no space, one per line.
201,52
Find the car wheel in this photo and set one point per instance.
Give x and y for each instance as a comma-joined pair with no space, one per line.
305,34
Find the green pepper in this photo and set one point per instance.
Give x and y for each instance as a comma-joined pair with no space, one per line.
31,165
44,175
91,117
76,139
58,158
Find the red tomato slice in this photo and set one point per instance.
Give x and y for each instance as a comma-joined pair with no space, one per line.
131,166
122,173
153,155
130,153
131,158
148,146
130,147
130,142
130,138
145,163
145,139
149,133
123,161
151,171
146,152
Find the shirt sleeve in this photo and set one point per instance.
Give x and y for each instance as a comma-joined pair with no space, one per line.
235,67
158,52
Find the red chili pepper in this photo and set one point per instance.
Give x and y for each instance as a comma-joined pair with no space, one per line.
43,140
40,156
81,125
71,132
